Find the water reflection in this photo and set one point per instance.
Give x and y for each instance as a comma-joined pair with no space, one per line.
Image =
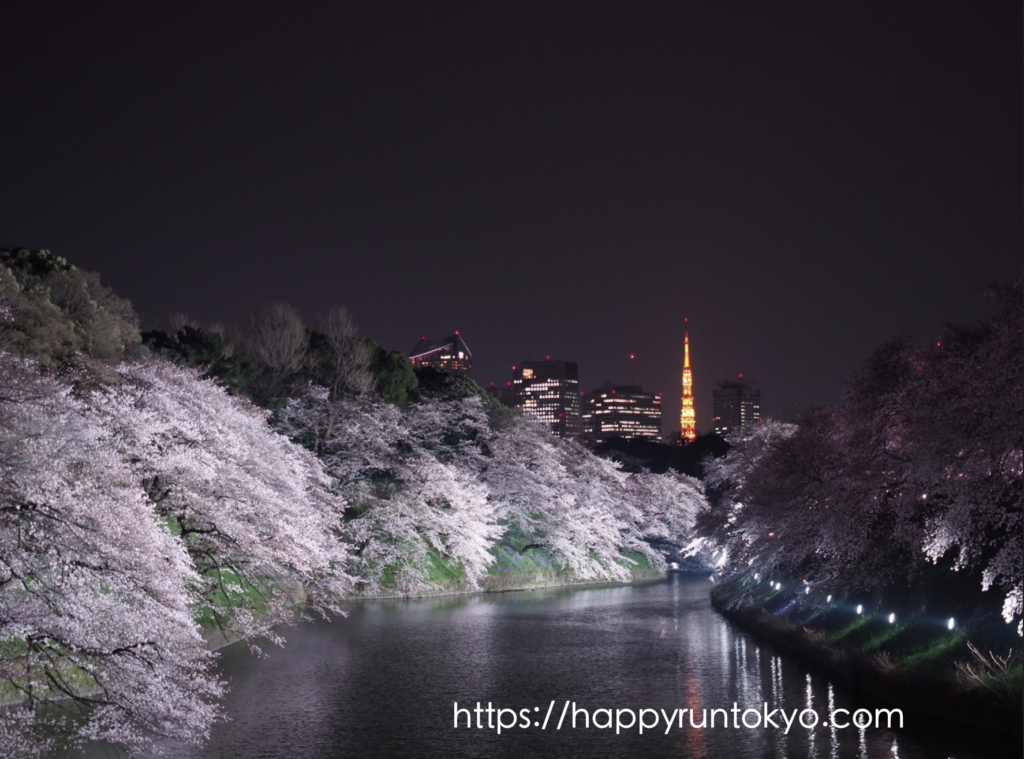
383,683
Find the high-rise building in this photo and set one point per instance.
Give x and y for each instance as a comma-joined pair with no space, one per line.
450,355
687,415
737,402
624,411
550,392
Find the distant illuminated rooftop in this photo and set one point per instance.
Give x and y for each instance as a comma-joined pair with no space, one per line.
450,354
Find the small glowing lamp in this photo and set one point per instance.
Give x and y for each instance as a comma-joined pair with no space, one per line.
807,590
829,599
892,618
860,609
950,624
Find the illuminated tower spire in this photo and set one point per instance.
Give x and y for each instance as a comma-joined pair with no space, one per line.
687,417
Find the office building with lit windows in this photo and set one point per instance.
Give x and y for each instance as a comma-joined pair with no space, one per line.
736,402
549,391
624,411
450,355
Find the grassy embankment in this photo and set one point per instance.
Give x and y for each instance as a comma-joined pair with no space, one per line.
511,570
970,674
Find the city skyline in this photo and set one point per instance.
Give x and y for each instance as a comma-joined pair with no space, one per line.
803,186
670,430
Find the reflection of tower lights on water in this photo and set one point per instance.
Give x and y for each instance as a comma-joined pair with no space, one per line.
687,416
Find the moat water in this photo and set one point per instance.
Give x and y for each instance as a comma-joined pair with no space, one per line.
385,682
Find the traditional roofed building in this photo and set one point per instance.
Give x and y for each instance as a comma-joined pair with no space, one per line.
450,354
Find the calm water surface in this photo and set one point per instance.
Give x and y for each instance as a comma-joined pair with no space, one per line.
383,682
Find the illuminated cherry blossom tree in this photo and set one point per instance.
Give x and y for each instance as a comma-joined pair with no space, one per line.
255,511
920,463
434,476
403,501
95,601
558,496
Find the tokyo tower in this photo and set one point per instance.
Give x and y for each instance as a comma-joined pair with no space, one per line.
687,417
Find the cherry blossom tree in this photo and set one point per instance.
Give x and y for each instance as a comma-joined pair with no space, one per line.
95,608
969,461
403,501
920,463
584,510
735,532
668,505
255,511
435,476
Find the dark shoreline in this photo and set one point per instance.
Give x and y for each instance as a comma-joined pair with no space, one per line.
929,695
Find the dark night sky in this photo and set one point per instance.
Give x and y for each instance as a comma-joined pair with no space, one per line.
803,181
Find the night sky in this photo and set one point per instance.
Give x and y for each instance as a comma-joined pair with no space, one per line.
803,181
